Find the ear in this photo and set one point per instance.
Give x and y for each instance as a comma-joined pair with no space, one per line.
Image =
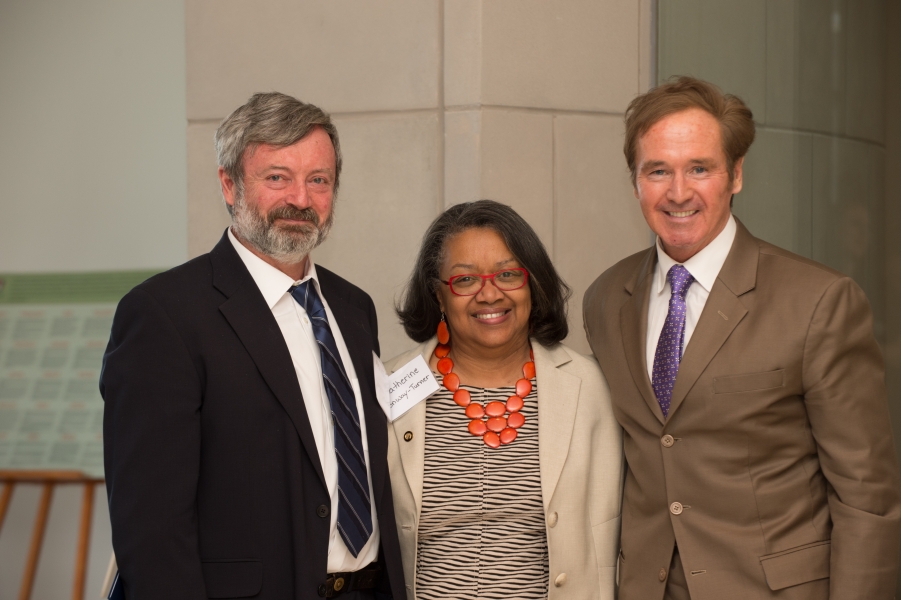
228,187
737,175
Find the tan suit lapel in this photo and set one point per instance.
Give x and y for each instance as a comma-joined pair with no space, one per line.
558,399
634,324
721,314
412,453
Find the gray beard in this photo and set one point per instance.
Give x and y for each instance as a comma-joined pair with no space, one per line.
285,244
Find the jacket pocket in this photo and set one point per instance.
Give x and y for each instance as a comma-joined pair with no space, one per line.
797,565
232,578
750,382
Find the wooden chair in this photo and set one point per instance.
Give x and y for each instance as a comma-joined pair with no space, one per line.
49,480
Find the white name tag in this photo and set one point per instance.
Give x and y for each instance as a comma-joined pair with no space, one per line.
405,388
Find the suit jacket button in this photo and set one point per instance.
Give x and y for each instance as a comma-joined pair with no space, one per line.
321,590
322,511
667,441
676,508
662,575
560,580
408,436
552,519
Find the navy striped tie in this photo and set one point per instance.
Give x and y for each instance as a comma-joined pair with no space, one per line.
354,504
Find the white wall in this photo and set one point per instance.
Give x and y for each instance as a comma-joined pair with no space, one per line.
92,135
93,165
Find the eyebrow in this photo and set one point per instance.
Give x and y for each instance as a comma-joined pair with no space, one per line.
469,266
654,164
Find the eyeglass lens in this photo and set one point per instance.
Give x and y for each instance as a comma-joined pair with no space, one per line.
503,280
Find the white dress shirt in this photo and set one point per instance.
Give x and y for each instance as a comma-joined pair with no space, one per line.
704,267
295,326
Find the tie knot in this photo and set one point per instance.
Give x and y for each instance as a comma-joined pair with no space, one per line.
305,295
679,280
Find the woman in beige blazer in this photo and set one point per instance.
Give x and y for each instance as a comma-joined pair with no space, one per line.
507,481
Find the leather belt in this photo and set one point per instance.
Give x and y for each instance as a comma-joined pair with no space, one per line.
350,581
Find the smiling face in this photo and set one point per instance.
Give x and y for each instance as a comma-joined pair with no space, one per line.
491,319
286,207
682,181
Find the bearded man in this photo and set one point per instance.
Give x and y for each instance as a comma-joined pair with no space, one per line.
245,450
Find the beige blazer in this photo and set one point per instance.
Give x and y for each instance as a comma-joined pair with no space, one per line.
775,471
580,446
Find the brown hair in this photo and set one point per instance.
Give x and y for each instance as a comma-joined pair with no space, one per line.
684,93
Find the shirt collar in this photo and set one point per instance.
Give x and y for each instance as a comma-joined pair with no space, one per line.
273,283
705,265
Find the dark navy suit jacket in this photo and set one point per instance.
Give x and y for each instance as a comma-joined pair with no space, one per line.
214,481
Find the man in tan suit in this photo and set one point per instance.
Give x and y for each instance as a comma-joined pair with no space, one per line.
748,383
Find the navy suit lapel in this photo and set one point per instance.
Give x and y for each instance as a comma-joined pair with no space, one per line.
253,323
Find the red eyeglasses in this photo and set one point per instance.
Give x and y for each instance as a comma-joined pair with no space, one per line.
470,284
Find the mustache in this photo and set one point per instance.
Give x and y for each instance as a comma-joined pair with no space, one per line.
292,212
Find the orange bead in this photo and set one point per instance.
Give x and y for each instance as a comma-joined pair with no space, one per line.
443,333
445,365
507,435
514,404
491,440
462,397
516,420
442,350
528,370
495,409
496,423
452,382
523,387
477,427
475,411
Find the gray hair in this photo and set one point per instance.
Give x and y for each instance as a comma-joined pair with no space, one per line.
270,118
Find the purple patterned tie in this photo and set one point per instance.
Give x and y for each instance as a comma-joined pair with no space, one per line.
669,347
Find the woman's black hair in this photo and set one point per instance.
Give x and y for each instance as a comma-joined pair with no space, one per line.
419,310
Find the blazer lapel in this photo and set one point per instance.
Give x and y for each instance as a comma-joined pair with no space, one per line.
412,453
721,314
353,324
253,323
634,324
558,399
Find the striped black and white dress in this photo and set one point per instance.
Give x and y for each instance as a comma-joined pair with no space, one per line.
482,527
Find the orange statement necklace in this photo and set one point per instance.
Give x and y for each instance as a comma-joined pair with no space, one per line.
497,430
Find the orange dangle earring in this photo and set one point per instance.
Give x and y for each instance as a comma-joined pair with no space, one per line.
443,333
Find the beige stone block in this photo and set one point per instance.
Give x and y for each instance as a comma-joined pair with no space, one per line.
462,52
775,202
597,220
343,55
865,88
462,156
207,216
647,45
806,65
517,166
389,195
566,54
848,207
722,41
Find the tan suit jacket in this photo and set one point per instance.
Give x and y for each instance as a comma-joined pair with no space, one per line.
580,446
775,472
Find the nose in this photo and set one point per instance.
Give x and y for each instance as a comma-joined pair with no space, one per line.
489,292
299,195
680,189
